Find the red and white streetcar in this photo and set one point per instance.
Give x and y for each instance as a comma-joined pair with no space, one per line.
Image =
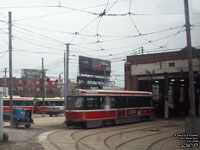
21,102
56,102
95,108
35,104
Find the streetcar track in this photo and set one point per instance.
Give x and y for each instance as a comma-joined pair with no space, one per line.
78,141
107,138
48,138
118,146
72,135
154,143
107,130
165,142
120,128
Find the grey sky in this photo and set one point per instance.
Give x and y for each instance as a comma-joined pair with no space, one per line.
41,28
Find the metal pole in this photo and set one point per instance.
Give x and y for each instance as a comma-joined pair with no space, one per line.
1,116
5,84
43,86
190,69
67,72
10,68
65,100
142,49
166,97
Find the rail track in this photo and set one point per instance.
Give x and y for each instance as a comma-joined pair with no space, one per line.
112,137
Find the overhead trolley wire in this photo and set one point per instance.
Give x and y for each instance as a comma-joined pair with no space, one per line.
54,48
50,38
95,35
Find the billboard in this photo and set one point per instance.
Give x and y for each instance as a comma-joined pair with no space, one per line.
94,66
31,73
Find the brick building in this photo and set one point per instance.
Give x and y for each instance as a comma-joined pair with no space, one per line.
166,75
32,88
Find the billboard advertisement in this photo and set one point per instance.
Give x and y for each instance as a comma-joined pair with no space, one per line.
31,73
94,66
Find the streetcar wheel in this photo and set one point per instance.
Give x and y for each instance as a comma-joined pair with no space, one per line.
16,124
27,125
102,123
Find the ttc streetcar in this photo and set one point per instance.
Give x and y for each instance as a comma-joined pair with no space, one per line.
35,104
96,108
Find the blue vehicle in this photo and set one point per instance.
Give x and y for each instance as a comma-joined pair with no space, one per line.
22,117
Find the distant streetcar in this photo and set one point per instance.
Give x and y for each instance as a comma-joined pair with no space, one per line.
21,102
49,103
35,104
96,108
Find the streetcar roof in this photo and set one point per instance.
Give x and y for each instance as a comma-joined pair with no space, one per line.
18,98
110,93
51,99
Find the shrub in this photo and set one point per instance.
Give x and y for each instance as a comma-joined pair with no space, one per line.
5,136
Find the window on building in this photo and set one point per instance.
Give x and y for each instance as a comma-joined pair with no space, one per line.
20,81
37,82
37,89
20,88
28,81
156,92
172,64
53,83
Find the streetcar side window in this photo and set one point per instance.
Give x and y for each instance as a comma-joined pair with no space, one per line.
91,103
112,102
133,102
40,103
120,102
101,102
18,103
138,101
28,103
55,103
6,103
145,101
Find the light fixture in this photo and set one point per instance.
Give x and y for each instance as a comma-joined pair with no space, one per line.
172,80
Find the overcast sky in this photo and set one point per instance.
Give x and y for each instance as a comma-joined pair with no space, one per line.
41,28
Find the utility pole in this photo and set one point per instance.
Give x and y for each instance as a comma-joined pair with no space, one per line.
10,68
1,116
65,100
5,84
43,86
190,66
67,73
